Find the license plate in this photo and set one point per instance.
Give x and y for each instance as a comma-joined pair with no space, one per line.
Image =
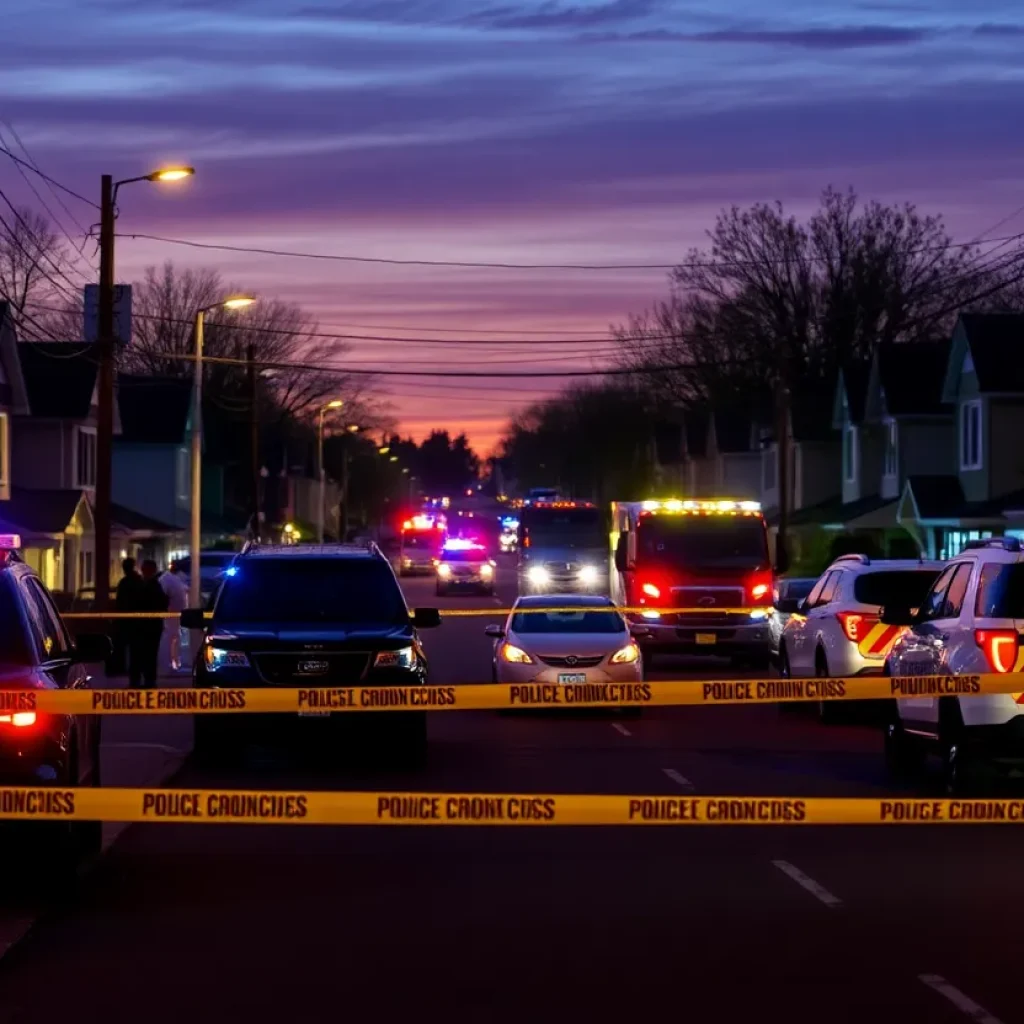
314,714
568,678
706,638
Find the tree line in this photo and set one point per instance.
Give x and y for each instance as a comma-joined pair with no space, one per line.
770,301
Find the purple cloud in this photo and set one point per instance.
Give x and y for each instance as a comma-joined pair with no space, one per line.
996,31
848,38
556,15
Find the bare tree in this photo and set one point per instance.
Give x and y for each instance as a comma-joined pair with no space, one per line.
33,272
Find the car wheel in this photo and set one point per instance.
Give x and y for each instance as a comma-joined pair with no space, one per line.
785,672
903,755
959,766
828,713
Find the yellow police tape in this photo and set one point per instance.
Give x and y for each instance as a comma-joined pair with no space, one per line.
463,613
263,807
492,696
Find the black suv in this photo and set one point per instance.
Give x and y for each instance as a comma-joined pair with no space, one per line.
45,751
312,615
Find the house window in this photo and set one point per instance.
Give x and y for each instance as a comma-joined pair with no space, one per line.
850,452
970,435
85,457
891,447
86,569
181,475
770,458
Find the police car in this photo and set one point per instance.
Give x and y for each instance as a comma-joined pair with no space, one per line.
836,630
464,565
44,751
968,624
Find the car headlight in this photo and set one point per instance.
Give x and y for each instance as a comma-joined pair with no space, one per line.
444,570
404,657
486,571
216,658
589,575
515,655
538,575
626,655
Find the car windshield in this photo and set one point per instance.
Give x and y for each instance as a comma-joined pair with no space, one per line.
709,541
901,588
1001,592
582,621
290,589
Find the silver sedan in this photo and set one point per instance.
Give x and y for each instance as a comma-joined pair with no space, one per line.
565,639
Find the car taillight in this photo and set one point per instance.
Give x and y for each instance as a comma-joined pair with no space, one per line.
1000,647
760,586
855,625
20,719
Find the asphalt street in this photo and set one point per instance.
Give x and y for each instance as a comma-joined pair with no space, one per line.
269,923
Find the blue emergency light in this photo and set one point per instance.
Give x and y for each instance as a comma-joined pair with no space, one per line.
9,541
460,544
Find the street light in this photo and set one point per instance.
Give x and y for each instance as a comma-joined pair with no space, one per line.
105,374
337,403
195,540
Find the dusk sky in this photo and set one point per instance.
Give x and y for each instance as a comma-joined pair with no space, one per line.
529,132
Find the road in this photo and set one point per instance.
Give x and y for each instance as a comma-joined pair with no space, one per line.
723,924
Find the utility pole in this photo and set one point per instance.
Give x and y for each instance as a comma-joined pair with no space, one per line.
346,458
783,409
254,438
105,395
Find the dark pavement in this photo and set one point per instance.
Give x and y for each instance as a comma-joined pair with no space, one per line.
714,924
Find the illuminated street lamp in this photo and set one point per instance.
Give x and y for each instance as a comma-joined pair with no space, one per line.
195,540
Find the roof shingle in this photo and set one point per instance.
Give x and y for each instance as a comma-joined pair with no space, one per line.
60,377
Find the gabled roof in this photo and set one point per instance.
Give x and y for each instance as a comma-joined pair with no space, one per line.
909,377
12,386
695,426
851,385
995,344
60,377
44,511
134,521
936,497
154,410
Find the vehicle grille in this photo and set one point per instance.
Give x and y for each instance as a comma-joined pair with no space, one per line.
563,572
709,597
284,669
571,662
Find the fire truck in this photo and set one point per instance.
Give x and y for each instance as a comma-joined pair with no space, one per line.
696,576
421,540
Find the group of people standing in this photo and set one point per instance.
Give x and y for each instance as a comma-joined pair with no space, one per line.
149,591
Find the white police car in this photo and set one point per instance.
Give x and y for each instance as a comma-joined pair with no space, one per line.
969,624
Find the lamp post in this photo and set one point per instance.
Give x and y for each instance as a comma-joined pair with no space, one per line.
105,374
195,540
336,404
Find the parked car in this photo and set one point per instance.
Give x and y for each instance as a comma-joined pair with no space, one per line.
790,593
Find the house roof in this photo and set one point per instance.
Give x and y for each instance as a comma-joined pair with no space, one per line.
44,511
937,497
60,377
154,410
851,384
995,342
136,521
733,431
695,425
910,375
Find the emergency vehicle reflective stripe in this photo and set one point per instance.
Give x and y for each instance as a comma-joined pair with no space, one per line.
284,807
1019,667
880,640
492,696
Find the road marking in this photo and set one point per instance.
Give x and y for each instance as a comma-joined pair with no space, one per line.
968,1006
679,780
619,727
808,883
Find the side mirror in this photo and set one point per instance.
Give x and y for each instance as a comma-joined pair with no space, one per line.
92,647
193,618
896,615
789,605
495,632
622,553
426,618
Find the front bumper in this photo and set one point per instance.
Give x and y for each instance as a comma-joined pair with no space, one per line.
745,635
514,674
473,582
563,585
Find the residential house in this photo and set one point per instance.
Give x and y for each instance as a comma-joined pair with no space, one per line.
971,481
53,461
814,464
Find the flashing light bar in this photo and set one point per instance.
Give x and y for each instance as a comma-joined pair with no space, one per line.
460,544
423,523
724,506
563,504
10,541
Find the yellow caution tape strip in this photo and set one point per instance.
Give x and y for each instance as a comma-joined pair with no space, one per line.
463,613
484,696
263,807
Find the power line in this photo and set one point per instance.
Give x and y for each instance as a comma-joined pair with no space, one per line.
477,264
34,256
47,178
